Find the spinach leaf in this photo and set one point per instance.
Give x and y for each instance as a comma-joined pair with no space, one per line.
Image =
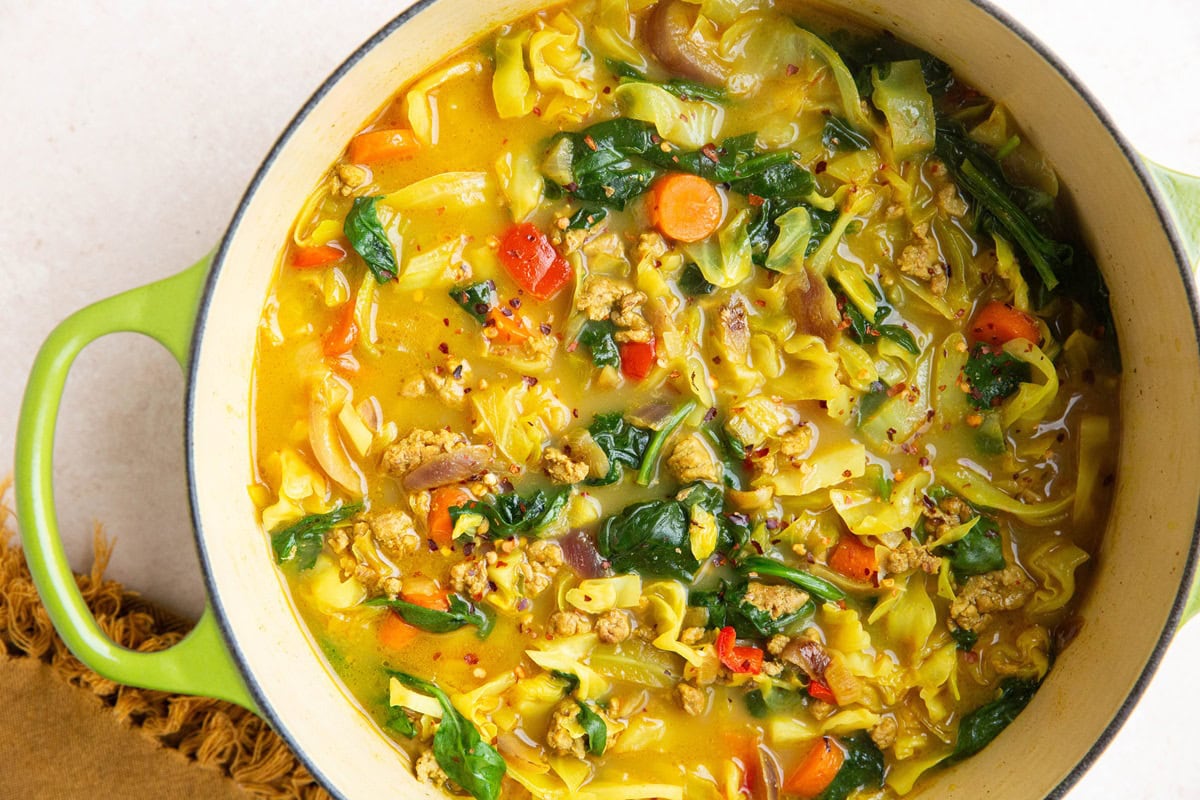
597,336
989,436
466,759
810,583
692,282
980,551
623,442
866,331
654,448
776,174
511,513
399,721
572,681
303,539
461,612
981,178
838,135
993,375
728,606
605,163
964,638
369,240
477,299
764,230
731,452
733,530
777,701
594,727
650,539
862,768
586,217
984,724
871,402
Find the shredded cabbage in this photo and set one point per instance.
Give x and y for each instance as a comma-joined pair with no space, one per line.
562,69
519,418
301,489
438,268
976,488
511,87
598,595
1008,269
1053,563
1095,439
329,592
868,515
668,605
912,619
520,182
422,106
446,189
787,253
688,123
401,696
901,95
825,468
728,261
758,418
567,654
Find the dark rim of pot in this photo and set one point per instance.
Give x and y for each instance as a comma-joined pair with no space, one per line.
1165,220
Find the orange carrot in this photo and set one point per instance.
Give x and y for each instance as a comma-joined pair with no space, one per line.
394,633
441,526
315,257
997,323
684,207
817,770
510,328
383,145
854,559
343,334
435,599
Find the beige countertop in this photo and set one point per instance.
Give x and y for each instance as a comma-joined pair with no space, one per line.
129,131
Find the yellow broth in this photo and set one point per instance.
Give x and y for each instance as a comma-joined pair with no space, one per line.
420,362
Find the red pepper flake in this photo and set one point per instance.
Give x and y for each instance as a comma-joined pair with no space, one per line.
590,142
437,655
446,321
820,167
760,303
515,302
537,112
529,380
709,151
755,200
444,348
571,347
847,473
792,69
471,658
544,328
897,389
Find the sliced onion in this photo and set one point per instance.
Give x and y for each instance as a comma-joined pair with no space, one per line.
580,554
584,446
447,468
323,436
772,773
652,416
521,754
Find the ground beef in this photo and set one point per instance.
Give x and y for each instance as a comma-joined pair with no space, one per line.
778,601
777,643
920,259
568,623
794,446
599,295
909,556
884,734
470,578
562,735
691,460
561,468
631,320
358,557
949,202
417,447
691,699
613,627
395,533
983,595
429,771
543,561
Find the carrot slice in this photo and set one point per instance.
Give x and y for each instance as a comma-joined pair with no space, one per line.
382,145
510,328
435,599
817,770
441,526
394,633
314,257
854,559
343,334
685,207
997,323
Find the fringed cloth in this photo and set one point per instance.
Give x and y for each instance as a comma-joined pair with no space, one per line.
203,747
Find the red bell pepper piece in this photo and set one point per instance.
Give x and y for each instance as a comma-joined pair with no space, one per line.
637,358
741,660
531,260
818,690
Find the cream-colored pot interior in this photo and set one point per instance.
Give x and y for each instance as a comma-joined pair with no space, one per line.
1140,567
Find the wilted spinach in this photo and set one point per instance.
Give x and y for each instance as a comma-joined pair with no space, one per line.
623,442
993,375
984,724
861,769
512,513
477,299
302,541
369,240
461,612
598,337
727,606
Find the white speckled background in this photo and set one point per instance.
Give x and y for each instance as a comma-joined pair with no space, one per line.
128,132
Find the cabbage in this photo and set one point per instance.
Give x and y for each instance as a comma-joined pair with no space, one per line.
860,203
912,619
1095,440
668,605
520,182
400,696
446,189
520,419
905,772
301,489
949,400
611,28
480,703
1032,400
327,395
651,668
902,415
598,595
754,420
562,69
690,124
1053,563
511,87
331,594
786,731
1010,271
825,468
422,109
728,261
868,515
811,374
901,95
975,488
795,231
567,654
439,268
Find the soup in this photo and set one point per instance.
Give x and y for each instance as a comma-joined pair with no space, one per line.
719,382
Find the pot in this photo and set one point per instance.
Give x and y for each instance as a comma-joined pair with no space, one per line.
1141,221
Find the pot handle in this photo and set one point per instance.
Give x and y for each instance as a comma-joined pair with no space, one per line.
1182,193
200,664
